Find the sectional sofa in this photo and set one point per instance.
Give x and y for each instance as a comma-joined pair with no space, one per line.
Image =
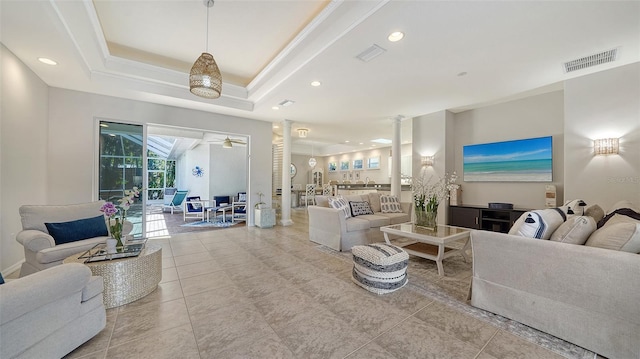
585,294
329,226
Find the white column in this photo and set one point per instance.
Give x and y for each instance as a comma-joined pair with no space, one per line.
395,158
286,174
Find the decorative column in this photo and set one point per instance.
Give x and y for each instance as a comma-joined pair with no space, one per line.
286,174
396,157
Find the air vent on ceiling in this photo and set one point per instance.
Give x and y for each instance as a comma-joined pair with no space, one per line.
591,60
370,53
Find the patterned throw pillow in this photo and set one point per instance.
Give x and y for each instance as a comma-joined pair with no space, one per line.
539,224
390,204
360,208
341,204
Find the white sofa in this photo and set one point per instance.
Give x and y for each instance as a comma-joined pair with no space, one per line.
40,249
329,227
50,313
580,293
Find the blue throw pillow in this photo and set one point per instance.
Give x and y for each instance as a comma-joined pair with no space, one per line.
77,230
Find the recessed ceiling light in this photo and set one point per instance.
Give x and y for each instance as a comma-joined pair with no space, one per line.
347,141
276,126
382,140
395,36
361,143
47,61
316,83
275,108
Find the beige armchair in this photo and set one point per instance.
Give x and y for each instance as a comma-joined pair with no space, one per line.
50,313
40,249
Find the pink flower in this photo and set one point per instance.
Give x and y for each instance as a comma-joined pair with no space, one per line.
109,209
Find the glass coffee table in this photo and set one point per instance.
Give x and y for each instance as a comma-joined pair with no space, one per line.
127,276
433,244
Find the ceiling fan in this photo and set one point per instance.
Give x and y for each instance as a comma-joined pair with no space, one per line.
228,142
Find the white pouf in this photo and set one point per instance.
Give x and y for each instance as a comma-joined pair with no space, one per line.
379,268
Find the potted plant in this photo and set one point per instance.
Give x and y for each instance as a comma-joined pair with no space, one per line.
260,204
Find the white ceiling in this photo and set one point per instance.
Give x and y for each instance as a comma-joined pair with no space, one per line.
270,50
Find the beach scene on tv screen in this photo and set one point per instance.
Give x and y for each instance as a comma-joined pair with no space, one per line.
528,160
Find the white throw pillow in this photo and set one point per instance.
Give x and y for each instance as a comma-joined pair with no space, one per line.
574,207
341,204
390,204
538,224
576,230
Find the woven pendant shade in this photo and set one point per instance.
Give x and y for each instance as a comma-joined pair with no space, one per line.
205,79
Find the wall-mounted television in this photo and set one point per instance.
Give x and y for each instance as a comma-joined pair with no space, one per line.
526,160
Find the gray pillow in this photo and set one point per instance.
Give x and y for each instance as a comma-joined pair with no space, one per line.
596,212
621,236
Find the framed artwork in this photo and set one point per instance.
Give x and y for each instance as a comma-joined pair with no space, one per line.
357,164
333,166
373,163
527,160
344,165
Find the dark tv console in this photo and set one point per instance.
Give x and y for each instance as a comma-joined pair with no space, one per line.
479,217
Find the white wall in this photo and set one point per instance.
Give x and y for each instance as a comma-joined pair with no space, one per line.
23,148
602,105
433,136
228,171
197,186
535,116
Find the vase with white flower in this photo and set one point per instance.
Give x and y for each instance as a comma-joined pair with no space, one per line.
116,216
427,195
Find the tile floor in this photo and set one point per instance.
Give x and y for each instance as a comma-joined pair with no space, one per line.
271,293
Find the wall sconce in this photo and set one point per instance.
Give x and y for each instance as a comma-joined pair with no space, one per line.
427,161
302,132
606,146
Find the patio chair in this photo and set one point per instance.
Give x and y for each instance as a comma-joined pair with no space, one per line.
176,201
194,207
239,208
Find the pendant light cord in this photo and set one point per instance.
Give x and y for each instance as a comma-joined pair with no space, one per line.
207,44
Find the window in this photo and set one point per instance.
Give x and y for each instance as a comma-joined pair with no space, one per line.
161,174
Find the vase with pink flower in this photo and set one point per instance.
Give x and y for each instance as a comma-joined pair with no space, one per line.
116,216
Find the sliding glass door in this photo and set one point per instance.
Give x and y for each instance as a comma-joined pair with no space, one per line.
121,167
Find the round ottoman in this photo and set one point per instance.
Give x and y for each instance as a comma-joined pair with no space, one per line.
379,268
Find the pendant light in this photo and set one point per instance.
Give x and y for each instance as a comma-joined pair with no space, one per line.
312,160
205,79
